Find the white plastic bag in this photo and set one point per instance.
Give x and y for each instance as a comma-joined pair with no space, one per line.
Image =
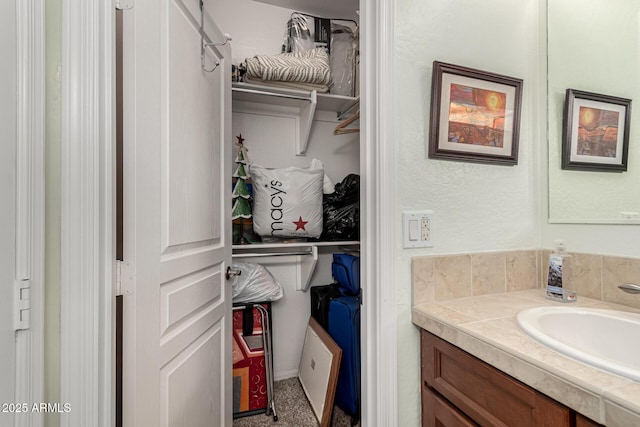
288,201
254,284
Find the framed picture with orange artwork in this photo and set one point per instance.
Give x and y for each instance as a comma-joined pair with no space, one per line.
595,136
475,115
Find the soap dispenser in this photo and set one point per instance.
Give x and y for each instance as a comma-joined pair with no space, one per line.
559,285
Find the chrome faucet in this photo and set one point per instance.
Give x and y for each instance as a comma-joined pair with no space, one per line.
630,288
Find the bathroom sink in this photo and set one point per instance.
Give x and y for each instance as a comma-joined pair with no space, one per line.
606,339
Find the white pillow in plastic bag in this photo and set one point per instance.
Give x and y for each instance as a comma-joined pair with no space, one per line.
254,284
288,201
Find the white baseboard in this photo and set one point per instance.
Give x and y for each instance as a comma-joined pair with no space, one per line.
285,375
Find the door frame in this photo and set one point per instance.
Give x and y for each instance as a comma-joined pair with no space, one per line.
379,343
87,291
88,220
30,202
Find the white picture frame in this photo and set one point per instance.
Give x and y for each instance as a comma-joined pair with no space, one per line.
318,371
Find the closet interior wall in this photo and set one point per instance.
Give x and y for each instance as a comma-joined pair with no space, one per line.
269,134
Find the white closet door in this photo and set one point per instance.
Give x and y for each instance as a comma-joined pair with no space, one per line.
7,210
177,204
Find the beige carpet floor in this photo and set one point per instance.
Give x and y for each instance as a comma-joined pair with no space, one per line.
293,409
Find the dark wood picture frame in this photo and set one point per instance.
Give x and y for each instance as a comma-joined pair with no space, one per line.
316,376
591,137
475,115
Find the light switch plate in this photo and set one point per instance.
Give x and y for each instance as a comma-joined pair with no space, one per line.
423,220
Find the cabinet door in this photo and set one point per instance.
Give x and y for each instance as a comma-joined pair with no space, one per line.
436,411
582,421
485,394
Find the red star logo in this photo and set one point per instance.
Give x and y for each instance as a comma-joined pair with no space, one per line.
240,139
300,224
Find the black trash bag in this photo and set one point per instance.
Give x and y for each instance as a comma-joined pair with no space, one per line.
341,210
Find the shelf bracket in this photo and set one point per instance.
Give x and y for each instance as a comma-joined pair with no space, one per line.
341,115
306,121
305,268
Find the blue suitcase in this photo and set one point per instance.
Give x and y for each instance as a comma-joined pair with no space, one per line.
345,269
344,328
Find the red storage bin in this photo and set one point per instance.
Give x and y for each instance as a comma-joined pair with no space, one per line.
252,360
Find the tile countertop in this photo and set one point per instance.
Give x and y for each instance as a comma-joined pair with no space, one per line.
486,327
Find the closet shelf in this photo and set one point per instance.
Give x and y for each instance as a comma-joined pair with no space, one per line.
284,96
307,253
305,102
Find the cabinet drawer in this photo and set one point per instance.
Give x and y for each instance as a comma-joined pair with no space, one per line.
438,412
486,395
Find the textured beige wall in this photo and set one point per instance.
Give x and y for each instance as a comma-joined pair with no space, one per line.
478,207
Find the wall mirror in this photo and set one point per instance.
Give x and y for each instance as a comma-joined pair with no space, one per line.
593,46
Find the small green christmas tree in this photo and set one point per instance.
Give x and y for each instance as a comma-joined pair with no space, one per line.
241,210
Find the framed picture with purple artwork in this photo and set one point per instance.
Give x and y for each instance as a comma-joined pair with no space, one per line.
475,115
595,136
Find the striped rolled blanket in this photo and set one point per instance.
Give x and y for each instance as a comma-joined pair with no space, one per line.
310,66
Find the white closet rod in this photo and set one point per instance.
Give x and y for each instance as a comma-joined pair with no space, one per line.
263,254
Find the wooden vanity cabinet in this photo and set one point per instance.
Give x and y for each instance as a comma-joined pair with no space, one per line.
441,412
460,390
582,421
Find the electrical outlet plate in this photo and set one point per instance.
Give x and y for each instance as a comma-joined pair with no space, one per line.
417,229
